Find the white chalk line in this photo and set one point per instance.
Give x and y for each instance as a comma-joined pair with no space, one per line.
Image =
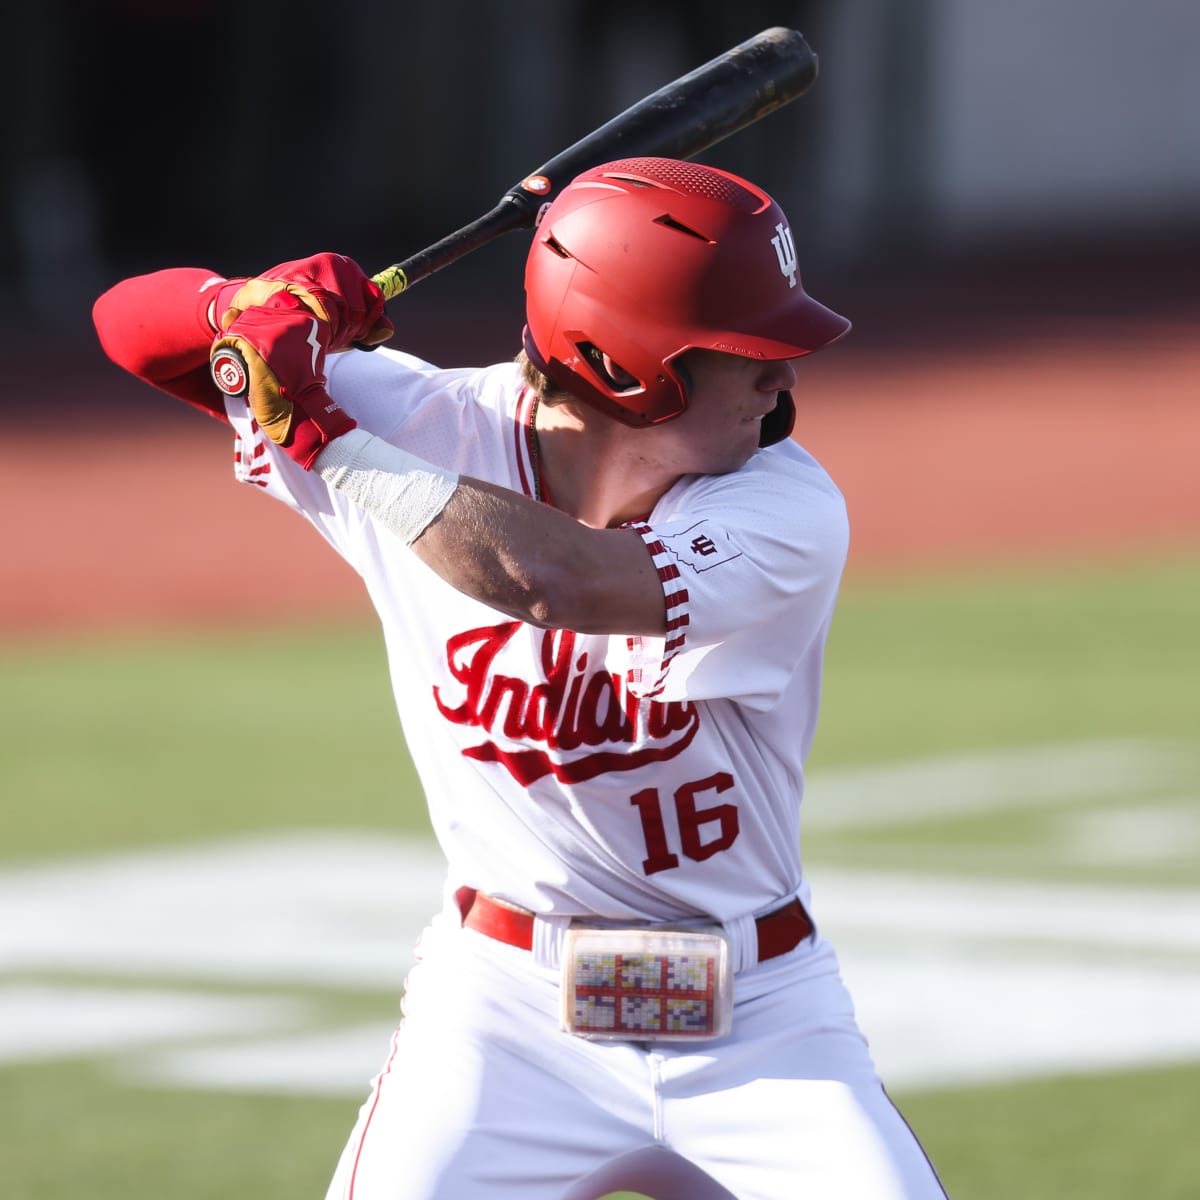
960,980
964,784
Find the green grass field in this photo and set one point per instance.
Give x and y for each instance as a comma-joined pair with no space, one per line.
112,746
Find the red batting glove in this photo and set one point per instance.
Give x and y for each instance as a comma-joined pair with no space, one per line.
332,287
275,353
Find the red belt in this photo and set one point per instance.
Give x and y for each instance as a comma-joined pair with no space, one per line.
778,931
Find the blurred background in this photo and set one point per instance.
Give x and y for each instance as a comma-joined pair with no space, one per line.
1036,156
1005,199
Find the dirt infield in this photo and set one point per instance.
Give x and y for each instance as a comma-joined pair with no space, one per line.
1073,447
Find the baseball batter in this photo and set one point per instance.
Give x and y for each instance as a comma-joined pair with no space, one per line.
605,574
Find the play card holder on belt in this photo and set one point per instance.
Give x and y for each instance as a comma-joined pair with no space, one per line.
647,985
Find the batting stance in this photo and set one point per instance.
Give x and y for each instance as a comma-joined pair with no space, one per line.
605,575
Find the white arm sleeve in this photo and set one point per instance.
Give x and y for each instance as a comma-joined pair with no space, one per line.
401,491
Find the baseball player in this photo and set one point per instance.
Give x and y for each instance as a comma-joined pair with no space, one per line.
605,574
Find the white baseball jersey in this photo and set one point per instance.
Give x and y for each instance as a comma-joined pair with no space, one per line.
645,777
635,780
624,778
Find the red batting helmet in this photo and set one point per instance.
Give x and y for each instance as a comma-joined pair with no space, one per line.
645,258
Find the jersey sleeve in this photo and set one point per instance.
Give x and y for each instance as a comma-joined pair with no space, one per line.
750,565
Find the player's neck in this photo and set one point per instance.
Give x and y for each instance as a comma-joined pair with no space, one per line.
590,471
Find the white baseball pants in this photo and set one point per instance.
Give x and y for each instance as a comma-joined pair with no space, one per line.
483,1095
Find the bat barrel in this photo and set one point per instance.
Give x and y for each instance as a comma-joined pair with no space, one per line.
681,119
696,111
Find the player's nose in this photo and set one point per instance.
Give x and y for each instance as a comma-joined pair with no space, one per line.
778,375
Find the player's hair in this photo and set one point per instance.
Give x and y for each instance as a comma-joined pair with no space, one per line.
548,393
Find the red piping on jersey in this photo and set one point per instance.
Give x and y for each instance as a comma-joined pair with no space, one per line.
529,463
676,601
522,443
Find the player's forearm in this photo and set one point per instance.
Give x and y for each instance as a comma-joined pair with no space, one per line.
158,327
542,566
511,553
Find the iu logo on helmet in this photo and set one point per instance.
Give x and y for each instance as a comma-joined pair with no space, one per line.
785,251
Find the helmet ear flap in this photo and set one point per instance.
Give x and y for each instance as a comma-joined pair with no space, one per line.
778,424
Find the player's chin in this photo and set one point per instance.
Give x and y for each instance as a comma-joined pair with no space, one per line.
748,440
737,453
726,450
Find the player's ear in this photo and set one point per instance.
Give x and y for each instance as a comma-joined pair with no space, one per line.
620,378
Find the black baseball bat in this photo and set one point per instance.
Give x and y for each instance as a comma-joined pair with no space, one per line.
696,111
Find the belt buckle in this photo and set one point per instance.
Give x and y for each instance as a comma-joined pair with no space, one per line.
656,984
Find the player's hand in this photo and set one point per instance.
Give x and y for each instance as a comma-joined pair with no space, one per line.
332,287
282,346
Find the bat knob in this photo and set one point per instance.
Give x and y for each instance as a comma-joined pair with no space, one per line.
229,372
